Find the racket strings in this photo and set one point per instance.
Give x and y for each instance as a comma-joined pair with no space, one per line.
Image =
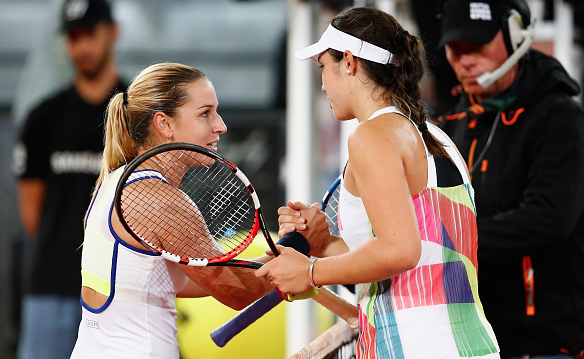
331,207
193,208
152,223
232,204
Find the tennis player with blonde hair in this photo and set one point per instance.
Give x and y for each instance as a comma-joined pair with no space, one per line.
128,292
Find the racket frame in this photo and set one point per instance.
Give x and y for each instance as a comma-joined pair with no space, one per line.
224,260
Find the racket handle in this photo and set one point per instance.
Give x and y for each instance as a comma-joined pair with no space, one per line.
253,312
257,309
330,300
341,307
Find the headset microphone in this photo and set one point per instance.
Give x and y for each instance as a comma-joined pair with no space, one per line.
488,78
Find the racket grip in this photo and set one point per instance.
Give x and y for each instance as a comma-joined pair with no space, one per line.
341,307
253,312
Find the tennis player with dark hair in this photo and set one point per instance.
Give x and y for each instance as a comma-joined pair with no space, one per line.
128,292
406,211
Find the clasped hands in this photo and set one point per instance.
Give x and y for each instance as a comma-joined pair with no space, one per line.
289,271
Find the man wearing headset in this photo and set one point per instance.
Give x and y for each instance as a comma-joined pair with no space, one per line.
522,134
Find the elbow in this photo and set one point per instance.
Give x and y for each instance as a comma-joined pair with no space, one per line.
411,262
411,257
238,305
240,300
400,262
234,303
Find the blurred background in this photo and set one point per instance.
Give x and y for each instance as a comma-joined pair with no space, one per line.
243,47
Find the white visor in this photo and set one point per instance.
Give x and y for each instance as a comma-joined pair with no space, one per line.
341,41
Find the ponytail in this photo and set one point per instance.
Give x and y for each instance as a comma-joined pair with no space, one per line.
119,146
400,84
160,87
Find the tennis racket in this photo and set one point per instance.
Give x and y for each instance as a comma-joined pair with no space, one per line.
257,309
191,206
330,206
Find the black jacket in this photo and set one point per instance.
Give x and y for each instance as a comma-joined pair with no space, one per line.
529,189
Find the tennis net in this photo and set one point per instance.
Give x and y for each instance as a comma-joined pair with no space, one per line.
337,342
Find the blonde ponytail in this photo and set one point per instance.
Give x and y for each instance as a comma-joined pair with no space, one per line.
159,87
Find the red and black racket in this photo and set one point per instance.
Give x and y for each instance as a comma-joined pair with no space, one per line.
192,206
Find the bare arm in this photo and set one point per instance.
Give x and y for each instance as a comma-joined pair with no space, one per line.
192,290
380,172
174,223
31,196
233,286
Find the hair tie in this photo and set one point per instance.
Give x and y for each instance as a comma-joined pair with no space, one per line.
402,33
398,37
422,126
125,96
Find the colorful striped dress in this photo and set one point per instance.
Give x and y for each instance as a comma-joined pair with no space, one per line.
433,310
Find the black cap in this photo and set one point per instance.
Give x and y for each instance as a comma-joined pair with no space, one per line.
84,13
475,21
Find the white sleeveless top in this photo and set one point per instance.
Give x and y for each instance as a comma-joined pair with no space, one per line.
139,318
354,223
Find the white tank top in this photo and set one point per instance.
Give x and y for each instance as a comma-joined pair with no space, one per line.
353,220
139,318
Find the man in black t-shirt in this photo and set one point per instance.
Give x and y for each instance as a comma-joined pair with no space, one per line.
57,161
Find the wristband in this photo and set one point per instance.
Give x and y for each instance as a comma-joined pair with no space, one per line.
295,240
310,269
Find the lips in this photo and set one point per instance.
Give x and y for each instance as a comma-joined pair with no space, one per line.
213,146
468,79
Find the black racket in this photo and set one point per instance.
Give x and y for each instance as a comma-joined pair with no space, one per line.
256,310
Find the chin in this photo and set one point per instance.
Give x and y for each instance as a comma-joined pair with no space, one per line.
340,116
475,89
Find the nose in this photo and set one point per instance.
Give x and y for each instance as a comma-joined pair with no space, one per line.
220,126
467,59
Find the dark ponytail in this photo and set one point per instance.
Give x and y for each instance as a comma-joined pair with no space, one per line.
400,84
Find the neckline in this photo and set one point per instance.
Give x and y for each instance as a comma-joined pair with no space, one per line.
388,109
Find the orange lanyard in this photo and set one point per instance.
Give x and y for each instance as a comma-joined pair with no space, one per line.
528,282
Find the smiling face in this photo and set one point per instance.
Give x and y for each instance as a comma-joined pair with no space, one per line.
197,121
469,60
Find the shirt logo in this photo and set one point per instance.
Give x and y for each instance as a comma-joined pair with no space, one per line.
480,11
75,162
92,324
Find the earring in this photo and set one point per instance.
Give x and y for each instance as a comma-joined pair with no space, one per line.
348,71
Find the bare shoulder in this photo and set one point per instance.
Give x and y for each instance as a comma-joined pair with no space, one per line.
390,132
